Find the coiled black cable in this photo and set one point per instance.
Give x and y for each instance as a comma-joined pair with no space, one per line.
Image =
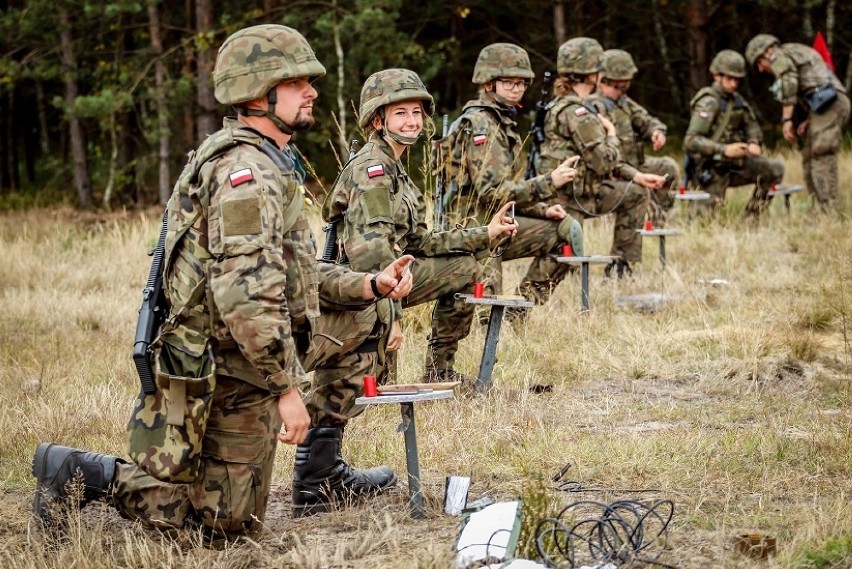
593,533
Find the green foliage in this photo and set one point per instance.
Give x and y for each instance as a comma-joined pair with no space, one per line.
835,553
538,505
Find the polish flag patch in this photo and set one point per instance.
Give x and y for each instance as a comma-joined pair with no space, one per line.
241,177
580,111
377,170
480,139
704,115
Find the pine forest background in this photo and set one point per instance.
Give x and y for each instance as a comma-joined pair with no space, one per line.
100,101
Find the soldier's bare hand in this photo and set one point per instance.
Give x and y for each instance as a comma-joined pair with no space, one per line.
651,181
607,124
565,172
754,149
395,338
555,212
294,417
789,132
502,225
395,281
658,139
736,149
802,129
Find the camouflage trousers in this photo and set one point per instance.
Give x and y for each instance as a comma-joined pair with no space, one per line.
662,198
820,150
537,238
230,495
439,279
344,349
627,200
761,171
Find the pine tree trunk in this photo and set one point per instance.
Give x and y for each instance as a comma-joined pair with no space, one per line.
341,83
163,154
41,110
663,48
559,22
204,75
75,129
696,43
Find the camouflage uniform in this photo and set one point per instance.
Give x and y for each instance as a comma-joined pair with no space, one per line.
720,118
382,215
484,164
799,70
572,127
635,125
242,281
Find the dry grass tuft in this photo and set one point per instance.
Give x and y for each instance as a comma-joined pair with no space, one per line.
731,400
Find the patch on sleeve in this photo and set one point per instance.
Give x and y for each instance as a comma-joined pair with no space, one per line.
241,217
580,111
240,177
480,139
704,115
374,171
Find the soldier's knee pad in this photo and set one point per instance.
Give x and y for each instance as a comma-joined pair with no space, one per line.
570,231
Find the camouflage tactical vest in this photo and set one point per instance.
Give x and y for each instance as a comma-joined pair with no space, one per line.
620,114
558,145
193,317
730,124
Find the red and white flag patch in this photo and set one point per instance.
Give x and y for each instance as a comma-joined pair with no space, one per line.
241,177
580,111
704,115
377,170
479,139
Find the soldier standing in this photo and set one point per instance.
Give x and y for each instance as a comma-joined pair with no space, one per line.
242,285
574,126
804,82
724,139
482,163
635,125
381,214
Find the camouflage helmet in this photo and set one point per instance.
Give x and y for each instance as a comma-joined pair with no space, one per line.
254,60
502,60
391,86
758,45
579,55
728,62
618,65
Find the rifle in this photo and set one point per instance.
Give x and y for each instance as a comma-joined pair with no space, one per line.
331,249
537,130
440,219
152,314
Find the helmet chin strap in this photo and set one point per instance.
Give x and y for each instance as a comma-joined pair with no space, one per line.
398,138
272,99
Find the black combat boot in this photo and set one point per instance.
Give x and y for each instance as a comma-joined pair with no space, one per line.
321,477
621,266
55,466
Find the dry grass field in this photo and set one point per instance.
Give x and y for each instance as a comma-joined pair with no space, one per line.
734,401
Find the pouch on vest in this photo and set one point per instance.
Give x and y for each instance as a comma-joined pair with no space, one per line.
167,427
821,97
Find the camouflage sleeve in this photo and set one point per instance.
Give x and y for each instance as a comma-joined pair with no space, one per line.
599,152
699,131
753,131
644,123
247,279
471,240
625,171
369,238
341,288
785,71
491,166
